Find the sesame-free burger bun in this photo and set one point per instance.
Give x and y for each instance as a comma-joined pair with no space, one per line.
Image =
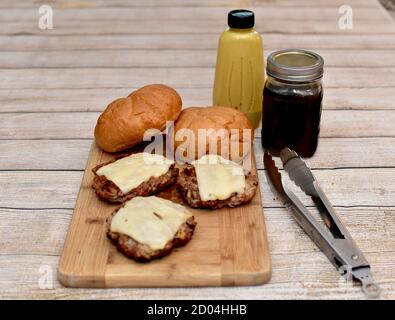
123,123
229,125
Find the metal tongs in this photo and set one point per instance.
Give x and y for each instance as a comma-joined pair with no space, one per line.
334,241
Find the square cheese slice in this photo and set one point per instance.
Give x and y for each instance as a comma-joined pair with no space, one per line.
218,177
129,172
152,221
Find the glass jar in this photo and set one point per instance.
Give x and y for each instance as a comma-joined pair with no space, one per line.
292,102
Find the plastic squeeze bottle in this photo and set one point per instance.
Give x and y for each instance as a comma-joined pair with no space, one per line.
239,73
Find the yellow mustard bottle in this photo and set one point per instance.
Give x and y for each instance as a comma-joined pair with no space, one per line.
239,72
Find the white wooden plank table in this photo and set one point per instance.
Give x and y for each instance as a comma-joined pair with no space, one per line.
54,83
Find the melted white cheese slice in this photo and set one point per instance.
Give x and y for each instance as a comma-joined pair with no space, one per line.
129,172
151,220
218,178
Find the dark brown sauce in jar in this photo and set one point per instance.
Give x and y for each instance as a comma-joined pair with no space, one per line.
292,103
291,120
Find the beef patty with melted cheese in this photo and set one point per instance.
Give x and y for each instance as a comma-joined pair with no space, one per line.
213,182
139,174
145,228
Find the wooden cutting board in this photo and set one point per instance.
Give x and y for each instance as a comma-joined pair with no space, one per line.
229,247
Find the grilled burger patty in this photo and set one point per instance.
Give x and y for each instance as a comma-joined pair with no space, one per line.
143,253
109,191
188,185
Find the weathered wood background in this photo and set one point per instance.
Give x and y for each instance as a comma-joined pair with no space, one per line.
54,83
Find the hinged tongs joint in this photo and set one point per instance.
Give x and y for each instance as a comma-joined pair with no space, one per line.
335,241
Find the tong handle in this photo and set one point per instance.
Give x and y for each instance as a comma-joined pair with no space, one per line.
340,251
332,238
338,242
347,249
320,235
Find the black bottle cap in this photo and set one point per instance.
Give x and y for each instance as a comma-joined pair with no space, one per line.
241,19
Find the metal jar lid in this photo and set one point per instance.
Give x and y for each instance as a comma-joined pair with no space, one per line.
295,65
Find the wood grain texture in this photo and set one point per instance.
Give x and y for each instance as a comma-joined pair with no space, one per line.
378,220
265,13
172,58
96,99
229,247
58,189
190,42
311,275
187,3
210,27
56,78
72,154
80,125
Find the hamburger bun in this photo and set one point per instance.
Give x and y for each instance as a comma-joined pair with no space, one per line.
226,131
123,123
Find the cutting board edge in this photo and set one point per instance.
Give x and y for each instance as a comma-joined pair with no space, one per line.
250,279
69,279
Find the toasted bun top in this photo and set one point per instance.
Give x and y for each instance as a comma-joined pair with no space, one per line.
227,126
123,123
